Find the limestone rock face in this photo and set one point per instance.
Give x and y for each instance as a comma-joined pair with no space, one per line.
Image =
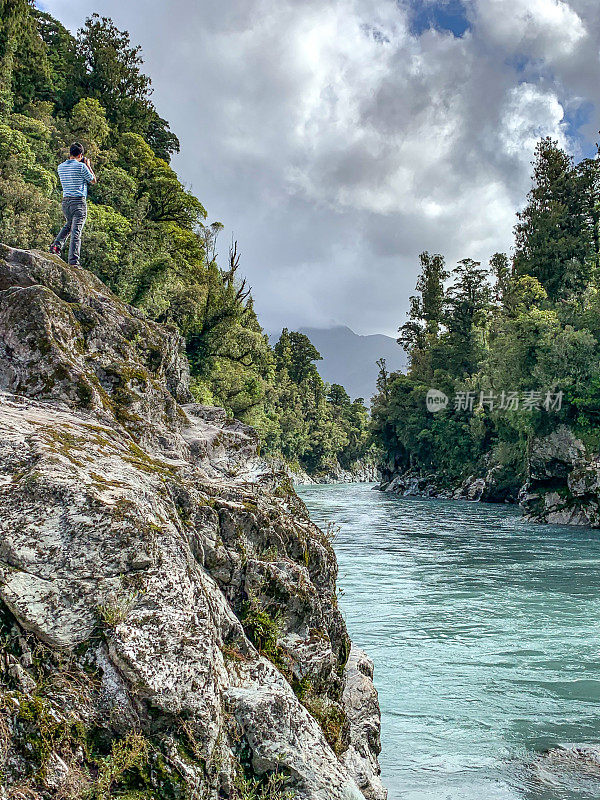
472,489
409,484
564,481
169,610
360,698
361,472
554,456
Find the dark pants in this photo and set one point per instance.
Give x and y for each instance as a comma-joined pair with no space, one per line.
75,211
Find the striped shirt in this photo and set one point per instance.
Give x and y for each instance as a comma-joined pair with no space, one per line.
74,176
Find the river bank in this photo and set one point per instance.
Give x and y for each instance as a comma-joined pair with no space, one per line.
560,483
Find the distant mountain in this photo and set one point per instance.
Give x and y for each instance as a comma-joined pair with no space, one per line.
349,358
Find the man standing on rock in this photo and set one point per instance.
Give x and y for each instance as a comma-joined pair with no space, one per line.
75,175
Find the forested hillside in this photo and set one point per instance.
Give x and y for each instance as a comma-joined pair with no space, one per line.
147,236
515,345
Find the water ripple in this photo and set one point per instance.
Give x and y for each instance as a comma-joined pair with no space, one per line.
484,632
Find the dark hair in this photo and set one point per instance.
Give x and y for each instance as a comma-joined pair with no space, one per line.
76,149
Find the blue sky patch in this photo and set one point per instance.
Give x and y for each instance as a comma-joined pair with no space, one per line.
443,15
576,118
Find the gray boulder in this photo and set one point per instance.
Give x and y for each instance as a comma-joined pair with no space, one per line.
362,704
563,482
568,770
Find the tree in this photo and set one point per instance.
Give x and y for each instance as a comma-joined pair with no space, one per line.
500,269
354,421
112,74
295,353
26,208
425,314
158,185
522,294
64,61
338,396
553,240
465,310
383,378
15,25
588,178
88,125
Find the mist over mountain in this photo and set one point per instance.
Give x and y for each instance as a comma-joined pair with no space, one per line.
350,359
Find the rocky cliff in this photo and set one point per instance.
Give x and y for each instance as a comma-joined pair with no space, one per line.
168,614
563,485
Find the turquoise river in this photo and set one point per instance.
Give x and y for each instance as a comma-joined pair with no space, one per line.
485,633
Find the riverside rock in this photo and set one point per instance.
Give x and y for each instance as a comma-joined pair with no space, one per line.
170,606
360,699
564,481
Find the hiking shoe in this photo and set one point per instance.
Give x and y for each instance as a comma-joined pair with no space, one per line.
55,249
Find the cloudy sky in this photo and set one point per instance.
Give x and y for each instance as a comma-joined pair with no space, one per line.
337,139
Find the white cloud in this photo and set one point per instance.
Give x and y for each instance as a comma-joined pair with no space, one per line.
337,145
529,114
547,29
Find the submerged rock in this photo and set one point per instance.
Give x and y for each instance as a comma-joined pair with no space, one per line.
578,756
170,606
568,768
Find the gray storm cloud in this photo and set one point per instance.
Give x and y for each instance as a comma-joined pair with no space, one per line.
336,144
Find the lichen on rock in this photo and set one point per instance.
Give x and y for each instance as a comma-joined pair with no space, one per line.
168,612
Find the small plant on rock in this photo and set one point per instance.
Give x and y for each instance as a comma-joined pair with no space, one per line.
271,787
126,754
331,531
263,628
260,627
117,607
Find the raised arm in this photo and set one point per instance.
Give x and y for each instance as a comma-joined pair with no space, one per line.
92,178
